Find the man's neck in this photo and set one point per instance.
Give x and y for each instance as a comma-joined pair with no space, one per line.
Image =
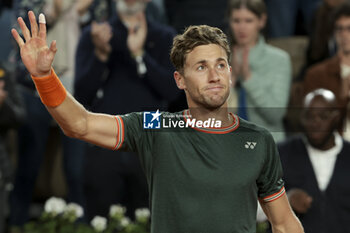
130,20
219,114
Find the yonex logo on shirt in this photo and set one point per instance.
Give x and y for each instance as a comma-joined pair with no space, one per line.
250,145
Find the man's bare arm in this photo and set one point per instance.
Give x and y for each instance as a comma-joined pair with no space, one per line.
77,122
281,216
73,118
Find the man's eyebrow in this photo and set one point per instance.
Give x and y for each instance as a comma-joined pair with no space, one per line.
205,61
221,59
201,62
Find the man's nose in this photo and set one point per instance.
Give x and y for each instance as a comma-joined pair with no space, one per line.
213,75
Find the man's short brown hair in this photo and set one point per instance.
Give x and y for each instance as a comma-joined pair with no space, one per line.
192,37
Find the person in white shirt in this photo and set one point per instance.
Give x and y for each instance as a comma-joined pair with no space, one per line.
316,167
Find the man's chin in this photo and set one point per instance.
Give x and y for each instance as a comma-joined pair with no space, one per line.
215,104
316,142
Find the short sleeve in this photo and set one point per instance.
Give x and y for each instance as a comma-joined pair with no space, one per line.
133,137
270,183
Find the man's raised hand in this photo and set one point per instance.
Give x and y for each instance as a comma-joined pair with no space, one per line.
35,54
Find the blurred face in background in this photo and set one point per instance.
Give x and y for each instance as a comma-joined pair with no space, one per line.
131,7
246,26
320,119
342,34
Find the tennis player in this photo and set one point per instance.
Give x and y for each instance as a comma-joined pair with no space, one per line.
201,179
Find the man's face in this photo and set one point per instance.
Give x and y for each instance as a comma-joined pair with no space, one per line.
320,120
131,7
205,77
342,34
245,26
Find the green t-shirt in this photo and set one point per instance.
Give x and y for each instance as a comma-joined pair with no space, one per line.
204,180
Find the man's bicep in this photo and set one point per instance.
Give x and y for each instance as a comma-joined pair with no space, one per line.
104,130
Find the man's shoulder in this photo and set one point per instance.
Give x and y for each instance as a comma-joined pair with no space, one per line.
276,53
250,127
324,66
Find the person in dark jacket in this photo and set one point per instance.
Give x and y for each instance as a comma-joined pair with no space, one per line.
334,72
11,115
124,66
316,167
33,136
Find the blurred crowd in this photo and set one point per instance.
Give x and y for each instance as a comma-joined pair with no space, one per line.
290,74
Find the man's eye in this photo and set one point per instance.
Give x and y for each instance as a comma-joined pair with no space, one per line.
221,66
200,68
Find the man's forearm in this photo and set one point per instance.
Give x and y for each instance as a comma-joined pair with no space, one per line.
69,114
281,216
293,225
71,117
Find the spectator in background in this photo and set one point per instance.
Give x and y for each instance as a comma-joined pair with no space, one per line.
63,18
283,14
123,67
103,10
321,42
316,167
182,14
334,73
261,73
6,15
11,114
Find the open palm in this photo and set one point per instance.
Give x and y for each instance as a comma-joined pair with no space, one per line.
35,54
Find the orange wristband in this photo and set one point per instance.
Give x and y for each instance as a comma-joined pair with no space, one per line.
52,92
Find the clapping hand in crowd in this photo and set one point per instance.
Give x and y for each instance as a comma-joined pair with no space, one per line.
240,62
101,34
137,29
299,200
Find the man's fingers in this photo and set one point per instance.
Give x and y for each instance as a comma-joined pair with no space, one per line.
17,37
142,19
25,30
93,25
53,47
309,199
106,35
33,23
246,56
131,30
42,26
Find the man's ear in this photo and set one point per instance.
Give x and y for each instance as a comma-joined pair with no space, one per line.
180,80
